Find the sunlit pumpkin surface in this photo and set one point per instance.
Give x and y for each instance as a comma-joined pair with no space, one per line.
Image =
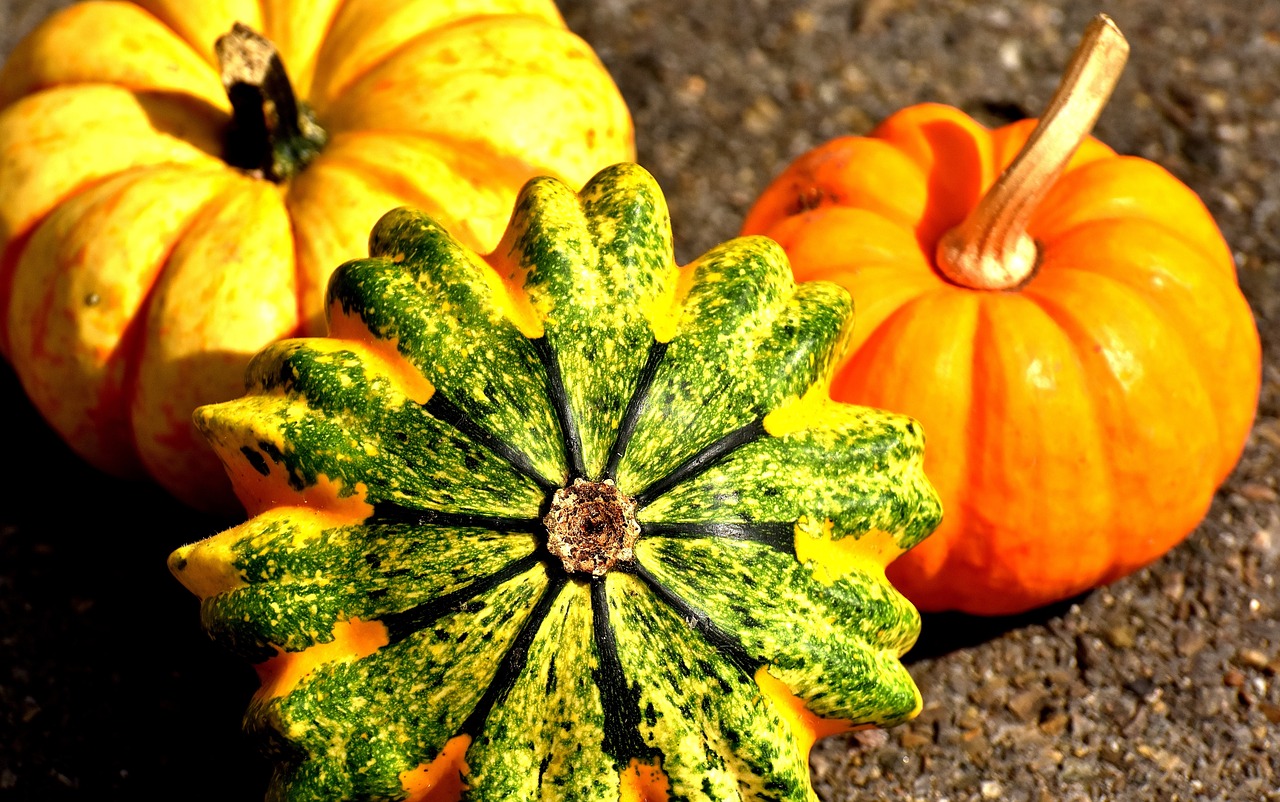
423,617
1078,424
140,270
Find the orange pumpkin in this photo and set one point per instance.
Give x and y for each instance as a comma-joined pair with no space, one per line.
154,239
1067,328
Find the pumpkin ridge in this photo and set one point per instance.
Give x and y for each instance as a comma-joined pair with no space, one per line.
777,535
449,413
336,96
570,437
390,512
725,643
631,416
702,460
513,661
619,700
404,623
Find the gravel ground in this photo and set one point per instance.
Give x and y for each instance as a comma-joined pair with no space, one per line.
1162,686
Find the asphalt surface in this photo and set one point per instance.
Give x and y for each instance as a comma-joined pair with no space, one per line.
1162,686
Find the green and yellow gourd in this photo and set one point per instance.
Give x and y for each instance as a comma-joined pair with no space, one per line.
567,521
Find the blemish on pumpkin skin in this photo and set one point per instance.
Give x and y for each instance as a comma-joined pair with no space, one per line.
808,198
644,782
441,779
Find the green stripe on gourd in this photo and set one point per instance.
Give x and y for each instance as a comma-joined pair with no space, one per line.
719,738
427,293
291,597
854,468
336,419
528,751
844,667
594,267
350,728
747,341
475,577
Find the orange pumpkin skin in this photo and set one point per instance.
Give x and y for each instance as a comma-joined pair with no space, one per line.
1079,424
139,272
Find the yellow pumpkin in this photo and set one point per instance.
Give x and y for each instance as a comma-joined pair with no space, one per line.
157,234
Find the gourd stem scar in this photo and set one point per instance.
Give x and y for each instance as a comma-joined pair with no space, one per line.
991,249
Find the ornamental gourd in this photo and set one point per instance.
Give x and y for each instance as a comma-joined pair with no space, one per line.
563,522
1072,335
166,210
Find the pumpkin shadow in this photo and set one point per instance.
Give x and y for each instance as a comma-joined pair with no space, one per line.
944,633
128,698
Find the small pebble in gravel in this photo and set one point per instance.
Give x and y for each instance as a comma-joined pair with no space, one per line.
1252,658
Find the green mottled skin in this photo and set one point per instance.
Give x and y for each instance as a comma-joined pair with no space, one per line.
854,468
291,599
592,265
424,290
561,680
748,340
557,688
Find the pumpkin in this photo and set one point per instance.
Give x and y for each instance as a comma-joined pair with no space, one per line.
1064,321
167,207
565,521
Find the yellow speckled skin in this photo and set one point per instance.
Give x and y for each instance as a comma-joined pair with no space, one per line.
140,272
395,587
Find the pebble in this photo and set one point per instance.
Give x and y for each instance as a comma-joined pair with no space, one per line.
1252,658
1271,712
1027,704
1189,641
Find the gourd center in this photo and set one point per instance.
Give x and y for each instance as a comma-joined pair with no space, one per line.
591,527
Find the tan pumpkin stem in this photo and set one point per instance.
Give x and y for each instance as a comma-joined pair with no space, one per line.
272,134
991,249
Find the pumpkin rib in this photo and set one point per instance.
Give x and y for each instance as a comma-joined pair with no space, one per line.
103,42
880,355
389,512
728,645
513,662
445,410
343,44
1170,333
777,535
989,436
17,245
570,437
631,416
1205,369
300,75
335,96
38,124
1179,518
134,339
702,460
619,699
110,406
404,623
188,359
1091,409
503,172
